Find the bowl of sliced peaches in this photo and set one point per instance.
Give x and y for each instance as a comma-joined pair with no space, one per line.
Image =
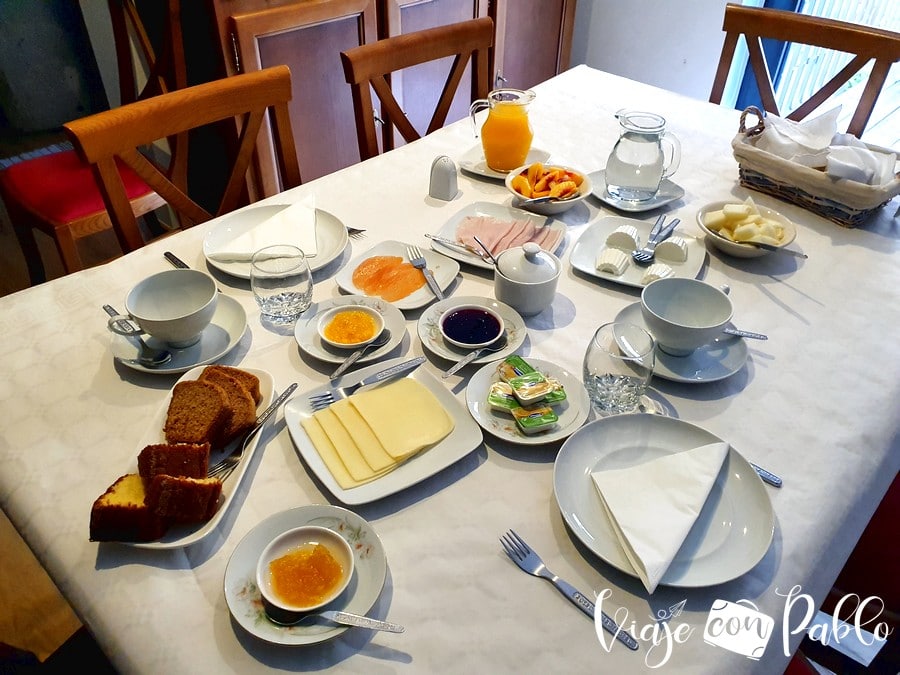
547,189
736,228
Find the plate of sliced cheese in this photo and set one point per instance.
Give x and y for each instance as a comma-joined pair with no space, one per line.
383,438
604,251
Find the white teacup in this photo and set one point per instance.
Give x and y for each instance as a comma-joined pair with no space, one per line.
173,306
684,314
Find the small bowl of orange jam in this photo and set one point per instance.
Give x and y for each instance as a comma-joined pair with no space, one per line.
350,326
302,570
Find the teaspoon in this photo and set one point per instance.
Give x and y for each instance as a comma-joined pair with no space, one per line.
380,341
344,618
147,356
495,346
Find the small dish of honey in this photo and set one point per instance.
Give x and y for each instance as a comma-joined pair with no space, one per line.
350,326
302,570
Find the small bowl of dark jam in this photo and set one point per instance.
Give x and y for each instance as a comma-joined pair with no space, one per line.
471,326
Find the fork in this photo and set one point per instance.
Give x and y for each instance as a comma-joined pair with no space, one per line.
324,399
646,255
223,469
355,232
417,260
529,561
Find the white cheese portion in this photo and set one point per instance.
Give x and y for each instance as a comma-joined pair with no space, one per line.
624,237
673,249
657,271
612,261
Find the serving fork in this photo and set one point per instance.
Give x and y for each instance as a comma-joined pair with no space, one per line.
417,260
324,399
223,468
529,561
658,234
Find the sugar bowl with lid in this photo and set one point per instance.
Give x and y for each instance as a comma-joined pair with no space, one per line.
525,278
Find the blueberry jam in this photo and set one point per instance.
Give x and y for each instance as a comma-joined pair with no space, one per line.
471,326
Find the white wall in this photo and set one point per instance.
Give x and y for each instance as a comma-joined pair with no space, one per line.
672,44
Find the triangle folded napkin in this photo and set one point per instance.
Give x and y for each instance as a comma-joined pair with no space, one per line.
652,506
295,224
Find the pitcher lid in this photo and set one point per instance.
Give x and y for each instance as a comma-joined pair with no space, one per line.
528,263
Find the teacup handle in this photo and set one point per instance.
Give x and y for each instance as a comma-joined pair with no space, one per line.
674,153
121,324
477,105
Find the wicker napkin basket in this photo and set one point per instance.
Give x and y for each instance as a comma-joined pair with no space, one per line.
845,202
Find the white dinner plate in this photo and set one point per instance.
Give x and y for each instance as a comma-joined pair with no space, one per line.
668,192
473,162
465,437
593,240
499,211
430,331
721,358
221,336
331,237
443,268
733,530
572,412
181,535
370,570
307,335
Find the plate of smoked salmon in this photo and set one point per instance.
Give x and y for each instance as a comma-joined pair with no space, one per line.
384,271
499,228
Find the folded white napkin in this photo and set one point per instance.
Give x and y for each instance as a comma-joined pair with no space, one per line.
652,506
295,225
848,157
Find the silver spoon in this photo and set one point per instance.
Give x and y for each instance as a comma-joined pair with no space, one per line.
495,346
380,341
346,619
486,249
745,334
147,356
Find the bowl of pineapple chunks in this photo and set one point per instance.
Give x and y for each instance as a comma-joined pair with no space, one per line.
733,227
561,187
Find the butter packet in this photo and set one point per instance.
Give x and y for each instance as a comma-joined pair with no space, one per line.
514,366
534,419
530,388
557,394
501,398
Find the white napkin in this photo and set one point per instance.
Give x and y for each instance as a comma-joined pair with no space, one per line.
652,506
295,224
848,157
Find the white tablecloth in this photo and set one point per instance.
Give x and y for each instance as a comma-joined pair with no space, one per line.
816,403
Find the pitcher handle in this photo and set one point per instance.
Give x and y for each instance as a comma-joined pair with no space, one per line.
477,105
674,153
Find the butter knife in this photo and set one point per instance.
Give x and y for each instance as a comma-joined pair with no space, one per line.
456,244
776,249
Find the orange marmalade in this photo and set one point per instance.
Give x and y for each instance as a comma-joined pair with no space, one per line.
350,327
305,575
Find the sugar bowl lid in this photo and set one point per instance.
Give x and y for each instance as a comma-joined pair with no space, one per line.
528,263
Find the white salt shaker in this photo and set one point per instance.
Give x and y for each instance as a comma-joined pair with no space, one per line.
443,179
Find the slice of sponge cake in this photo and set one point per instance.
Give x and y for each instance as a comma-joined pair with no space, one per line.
249,380
174,459
122,513
239,401
197,413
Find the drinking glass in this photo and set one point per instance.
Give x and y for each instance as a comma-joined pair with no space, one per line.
618,365
282,282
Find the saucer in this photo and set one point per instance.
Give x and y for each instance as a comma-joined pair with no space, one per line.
430,331
308,338
243,597
668,192
721,358
217,339
473,162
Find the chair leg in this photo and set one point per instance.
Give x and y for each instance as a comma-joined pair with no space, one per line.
68,251
25,234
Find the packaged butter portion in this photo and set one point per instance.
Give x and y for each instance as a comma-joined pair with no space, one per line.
530,388
534,419
501,398
514,366
557,394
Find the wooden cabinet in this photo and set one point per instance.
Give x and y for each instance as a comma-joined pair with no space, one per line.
532,43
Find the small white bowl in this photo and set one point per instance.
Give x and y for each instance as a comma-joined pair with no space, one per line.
554,207
736,249
327,317
471,326
283,611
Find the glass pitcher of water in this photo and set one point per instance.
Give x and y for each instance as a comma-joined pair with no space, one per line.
643,156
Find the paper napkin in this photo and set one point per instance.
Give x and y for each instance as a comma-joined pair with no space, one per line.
295,224
652,506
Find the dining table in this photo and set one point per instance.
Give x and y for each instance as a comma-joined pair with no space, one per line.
815,403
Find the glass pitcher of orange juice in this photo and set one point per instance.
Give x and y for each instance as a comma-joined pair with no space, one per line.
506,133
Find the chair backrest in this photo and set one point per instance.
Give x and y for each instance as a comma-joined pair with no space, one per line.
369,67
865,43
120,135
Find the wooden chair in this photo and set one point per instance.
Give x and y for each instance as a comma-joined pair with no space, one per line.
117,136
56,193
865,43
370,66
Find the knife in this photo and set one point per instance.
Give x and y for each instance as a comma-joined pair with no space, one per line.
456,244
175,260
776,249
390,373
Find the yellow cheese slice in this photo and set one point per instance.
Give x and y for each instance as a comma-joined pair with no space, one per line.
328,453
404,415
343,443
366,441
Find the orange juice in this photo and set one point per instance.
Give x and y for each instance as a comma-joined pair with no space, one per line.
506,136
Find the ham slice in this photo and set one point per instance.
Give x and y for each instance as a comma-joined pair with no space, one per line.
499,235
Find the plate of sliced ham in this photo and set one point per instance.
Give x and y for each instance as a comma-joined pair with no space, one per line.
499,228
